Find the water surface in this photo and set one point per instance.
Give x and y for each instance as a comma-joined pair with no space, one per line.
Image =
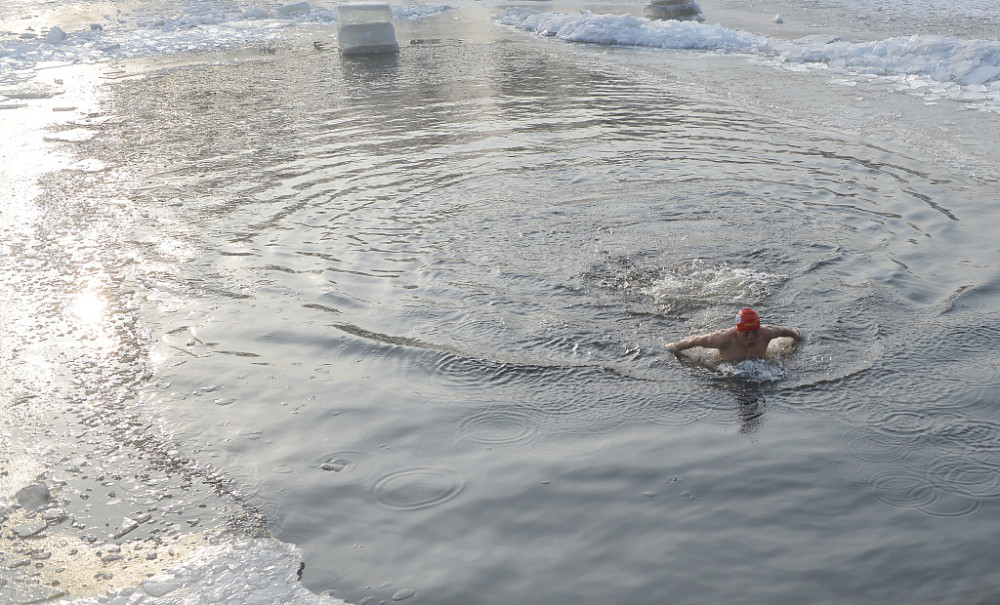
414,308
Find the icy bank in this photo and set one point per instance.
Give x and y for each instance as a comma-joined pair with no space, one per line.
192,27
960,69
627,30
54,550
235,570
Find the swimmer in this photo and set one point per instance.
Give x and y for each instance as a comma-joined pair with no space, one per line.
748,339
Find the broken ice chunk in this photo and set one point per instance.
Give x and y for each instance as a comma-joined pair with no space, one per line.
980,75
291,9
29,529
34,497
56,35
679,10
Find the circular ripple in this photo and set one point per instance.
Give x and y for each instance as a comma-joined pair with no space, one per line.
948,384
950,505
417,488
678,407
880,447
962,387
900,428
903,489
825,398
498,427
905,424
965,476
340,463
849,474
981,338
970,435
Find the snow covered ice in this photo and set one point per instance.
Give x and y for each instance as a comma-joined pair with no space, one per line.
948,67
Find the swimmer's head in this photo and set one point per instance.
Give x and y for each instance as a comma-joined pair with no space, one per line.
746,320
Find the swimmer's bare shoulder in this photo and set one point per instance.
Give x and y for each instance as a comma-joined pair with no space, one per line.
713,340
782,332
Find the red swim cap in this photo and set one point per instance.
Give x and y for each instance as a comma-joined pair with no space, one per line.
747,320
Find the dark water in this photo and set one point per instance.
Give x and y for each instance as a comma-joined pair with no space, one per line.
415,307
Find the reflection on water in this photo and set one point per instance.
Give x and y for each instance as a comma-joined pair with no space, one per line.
419,302
89,307
750,411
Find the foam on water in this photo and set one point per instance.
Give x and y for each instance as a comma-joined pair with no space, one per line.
752,370
698,284
933,66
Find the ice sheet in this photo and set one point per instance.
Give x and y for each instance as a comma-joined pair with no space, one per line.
969,69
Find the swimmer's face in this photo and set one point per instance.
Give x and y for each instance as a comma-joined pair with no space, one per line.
748,338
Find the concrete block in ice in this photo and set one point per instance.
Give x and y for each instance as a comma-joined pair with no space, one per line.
365,28
367,38
679,10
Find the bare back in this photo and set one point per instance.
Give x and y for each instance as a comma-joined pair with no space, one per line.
737,346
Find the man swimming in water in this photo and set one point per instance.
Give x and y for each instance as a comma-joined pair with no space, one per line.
748,339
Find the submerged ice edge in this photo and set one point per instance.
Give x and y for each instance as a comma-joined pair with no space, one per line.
198,27
948,64
226,569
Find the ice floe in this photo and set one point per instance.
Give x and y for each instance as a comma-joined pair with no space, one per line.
956,68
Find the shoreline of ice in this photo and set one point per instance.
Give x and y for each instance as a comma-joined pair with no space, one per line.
194,28
235,570
937,67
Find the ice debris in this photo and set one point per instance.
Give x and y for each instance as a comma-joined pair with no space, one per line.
291,9
34,497
233,570
679,10
29,529
255,12
56,35
943,59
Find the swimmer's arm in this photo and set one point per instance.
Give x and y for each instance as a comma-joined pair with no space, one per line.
792,333
714,340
